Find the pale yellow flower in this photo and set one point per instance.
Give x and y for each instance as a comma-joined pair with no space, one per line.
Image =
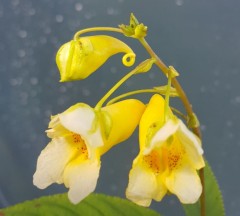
80,135
79,58
170,155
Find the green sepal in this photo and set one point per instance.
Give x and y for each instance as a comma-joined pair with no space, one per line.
133,21
163,90
213,197
105,122
134,29
94,204
192,121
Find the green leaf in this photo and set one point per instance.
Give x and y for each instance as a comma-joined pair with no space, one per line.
93,205
214,200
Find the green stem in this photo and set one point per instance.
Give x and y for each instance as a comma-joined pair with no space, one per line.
167,96
187,106
114,88
93,29
132,93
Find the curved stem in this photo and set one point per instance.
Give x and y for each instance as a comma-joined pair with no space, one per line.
132,93
93,29
187,106
114,88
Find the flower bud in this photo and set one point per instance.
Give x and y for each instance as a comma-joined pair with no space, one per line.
79,58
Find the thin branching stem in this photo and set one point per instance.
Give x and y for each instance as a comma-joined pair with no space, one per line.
94,29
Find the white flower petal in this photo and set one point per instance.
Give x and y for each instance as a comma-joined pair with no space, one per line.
78,118
143,187
161,136
81,120
81,178
192,145
186,184
51,163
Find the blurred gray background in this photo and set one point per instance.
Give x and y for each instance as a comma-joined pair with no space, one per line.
200,38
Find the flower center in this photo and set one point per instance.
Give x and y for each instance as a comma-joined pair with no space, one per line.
153,161
174,159
174,154
80,144
167,157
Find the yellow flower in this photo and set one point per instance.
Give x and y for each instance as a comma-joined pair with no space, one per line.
78,141
79,58
169,158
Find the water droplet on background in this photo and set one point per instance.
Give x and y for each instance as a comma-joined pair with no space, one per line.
78,6
203,127
112,11
237,99
15,3
34,81
21,53
31,12
22,34
89,15
179,2
113,70
59,18
86,92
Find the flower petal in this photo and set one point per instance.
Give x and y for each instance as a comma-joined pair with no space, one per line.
81,178
161,136
144,186
192,145
141,187
153,113
125,116
51,163
81,119
185,183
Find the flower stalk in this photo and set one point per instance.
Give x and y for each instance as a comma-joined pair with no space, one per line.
94,29
114,88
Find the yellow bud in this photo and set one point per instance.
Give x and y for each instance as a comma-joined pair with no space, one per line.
79,58
125,116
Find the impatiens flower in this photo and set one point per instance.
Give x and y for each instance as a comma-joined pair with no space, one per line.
170,155
80,135
79,58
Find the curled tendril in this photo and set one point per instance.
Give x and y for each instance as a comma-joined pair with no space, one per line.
129,59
